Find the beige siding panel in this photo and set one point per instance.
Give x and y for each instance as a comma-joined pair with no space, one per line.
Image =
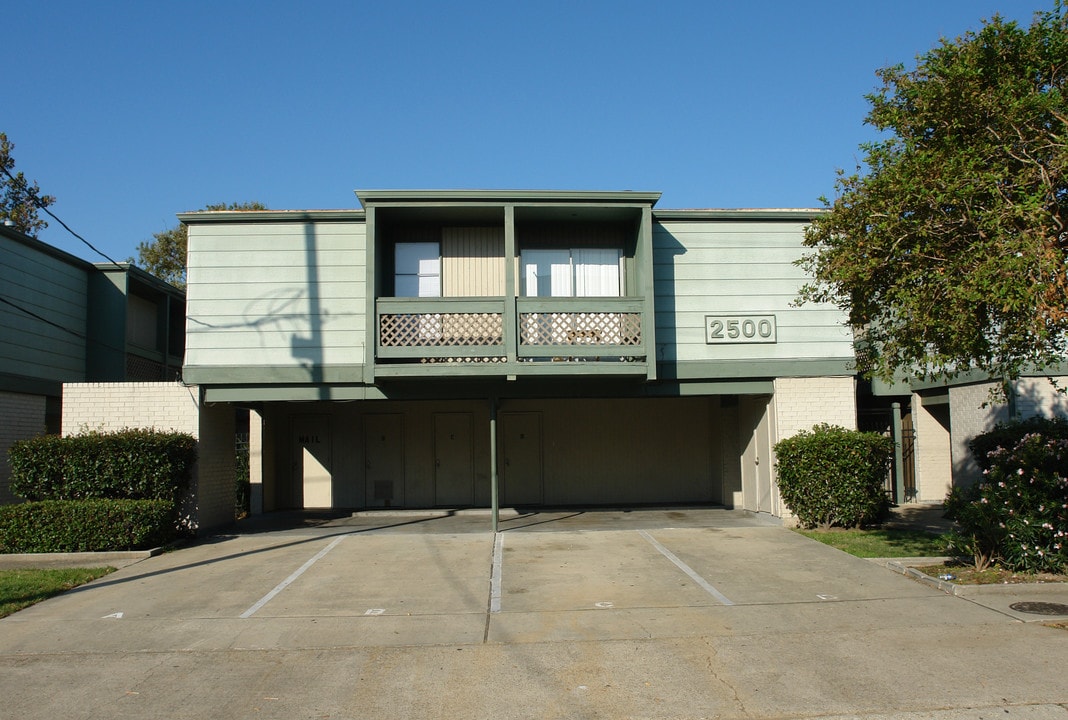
472,261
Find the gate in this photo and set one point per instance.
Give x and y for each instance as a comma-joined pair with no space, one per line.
880,420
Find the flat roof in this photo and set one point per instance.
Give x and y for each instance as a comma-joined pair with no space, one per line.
497,196
460,198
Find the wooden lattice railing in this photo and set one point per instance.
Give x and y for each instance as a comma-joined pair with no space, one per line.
441,329
473,329
580,328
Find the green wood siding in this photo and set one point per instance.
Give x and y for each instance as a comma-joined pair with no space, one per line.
54,290
738,267
270,295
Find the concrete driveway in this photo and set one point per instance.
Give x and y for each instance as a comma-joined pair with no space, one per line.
650,614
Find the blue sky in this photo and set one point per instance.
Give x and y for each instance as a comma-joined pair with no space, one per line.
130,112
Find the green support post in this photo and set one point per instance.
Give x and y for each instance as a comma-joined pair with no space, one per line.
494,499
899,458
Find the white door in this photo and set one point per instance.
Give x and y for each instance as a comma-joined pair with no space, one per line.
756,436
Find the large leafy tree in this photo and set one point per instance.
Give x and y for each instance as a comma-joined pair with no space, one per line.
19,198
950,251
165,255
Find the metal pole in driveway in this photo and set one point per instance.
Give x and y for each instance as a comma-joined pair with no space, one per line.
494,498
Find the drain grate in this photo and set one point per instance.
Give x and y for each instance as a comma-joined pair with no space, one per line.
1040,608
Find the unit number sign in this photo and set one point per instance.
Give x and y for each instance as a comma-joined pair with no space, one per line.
722,329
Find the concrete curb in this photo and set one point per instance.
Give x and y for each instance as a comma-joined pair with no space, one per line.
473,512
115,559
905,566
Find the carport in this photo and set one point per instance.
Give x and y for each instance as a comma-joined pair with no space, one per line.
513,452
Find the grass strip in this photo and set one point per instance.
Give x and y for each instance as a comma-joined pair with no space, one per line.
881,543
24,587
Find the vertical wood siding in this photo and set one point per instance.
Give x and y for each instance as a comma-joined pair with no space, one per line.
472,261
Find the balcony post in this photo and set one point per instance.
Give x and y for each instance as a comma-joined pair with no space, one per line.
510,337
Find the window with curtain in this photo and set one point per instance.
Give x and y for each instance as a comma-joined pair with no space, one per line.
576,272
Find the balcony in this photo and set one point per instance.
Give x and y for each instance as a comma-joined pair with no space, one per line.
530,336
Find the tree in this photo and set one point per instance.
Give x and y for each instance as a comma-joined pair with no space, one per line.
164,257
19,200
950,253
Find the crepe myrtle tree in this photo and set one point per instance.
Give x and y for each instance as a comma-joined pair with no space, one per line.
165,255
950,250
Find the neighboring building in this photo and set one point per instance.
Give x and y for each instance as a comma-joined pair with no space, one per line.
63,319
480,348
941,418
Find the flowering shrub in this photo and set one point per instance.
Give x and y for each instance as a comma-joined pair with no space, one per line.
1018,513
834,476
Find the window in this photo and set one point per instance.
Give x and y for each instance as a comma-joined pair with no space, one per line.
417,269
578,272
142,319
575,272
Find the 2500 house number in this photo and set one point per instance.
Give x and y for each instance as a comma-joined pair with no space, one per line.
720,329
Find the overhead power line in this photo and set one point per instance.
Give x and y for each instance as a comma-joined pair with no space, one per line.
41,206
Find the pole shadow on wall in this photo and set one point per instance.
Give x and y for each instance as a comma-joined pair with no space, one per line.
311,456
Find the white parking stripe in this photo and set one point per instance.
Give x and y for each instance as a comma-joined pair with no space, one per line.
296,574
686,569
495,573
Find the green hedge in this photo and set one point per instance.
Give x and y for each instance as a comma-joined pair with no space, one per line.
130,464
834,476
85,525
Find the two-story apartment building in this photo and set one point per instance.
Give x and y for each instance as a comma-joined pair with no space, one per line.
488,348
63,319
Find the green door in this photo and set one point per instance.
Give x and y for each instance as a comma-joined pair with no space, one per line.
384,459
522,478
454,481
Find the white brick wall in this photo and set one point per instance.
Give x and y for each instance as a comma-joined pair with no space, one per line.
107,407
969,418
932,452
1038,396
801,403
21,418
1033,396
165,406
215,467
